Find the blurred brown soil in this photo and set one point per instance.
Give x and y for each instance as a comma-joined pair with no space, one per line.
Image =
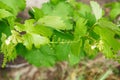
85,70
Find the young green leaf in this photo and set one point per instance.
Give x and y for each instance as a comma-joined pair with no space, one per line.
15,5
74,59
62,9
107,24
5,14
108,44
39,40
62,51
47,8
76,47
83,9
114,13
4,6
114,9
56,1
27,41
31,35
81,28
54,22
43,30
97,10
8,46
37,13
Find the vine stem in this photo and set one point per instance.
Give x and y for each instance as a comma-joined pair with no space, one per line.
63,42
17,66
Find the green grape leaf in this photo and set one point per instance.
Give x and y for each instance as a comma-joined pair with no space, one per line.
81,28
27,41
54,22
4,28
4,6
77,52
80,31
8,16
39,40
113,5
93,35
91,20
47,8
28,26
107,24
56,1
62,30
114,13
63,10
83,9
31,36
108,44
39,57
73,59
76,47
62,51
16,5
5,14
115,9
107,50
44,31
37,13
62,36
97,10
31,27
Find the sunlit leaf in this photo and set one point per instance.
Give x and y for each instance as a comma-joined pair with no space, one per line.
4,13
54,22
97,10
15,5
81,28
